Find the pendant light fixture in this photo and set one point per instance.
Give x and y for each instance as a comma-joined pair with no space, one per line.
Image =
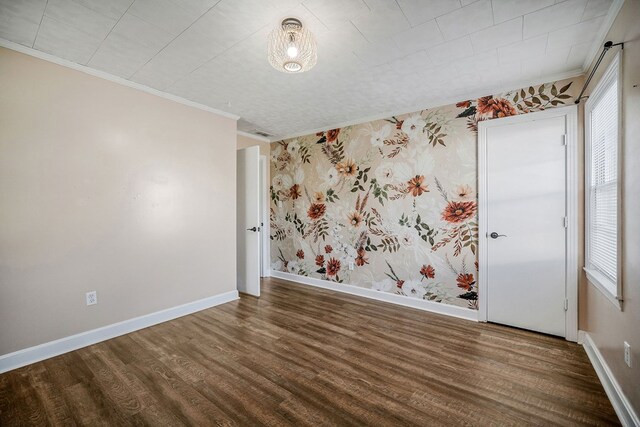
292,48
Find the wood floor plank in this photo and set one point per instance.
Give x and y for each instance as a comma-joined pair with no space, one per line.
306,356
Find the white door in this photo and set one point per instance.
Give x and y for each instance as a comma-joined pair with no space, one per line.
248,223
264,218
526,207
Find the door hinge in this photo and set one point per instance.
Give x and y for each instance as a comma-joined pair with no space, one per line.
566,304
564,140
565,221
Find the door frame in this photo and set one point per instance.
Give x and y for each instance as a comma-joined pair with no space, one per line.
572,182
265,229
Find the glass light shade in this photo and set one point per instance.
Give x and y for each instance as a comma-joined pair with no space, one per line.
292,48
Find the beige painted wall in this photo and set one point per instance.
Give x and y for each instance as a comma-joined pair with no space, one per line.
607,325
103,187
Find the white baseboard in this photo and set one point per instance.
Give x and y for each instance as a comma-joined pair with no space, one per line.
620,403
449,310
50,349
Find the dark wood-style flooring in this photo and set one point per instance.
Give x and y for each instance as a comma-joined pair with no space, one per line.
306,356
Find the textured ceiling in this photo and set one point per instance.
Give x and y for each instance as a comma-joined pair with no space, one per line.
375,56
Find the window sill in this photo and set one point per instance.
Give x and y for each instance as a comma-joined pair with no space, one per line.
604,285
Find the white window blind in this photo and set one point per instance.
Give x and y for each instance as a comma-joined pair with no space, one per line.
603,221
602,114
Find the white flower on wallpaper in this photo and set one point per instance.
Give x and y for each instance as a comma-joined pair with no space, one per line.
377,136
396,198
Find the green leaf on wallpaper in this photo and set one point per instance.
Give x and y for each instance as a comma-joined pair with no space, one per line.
468,112
540,89
554,90
536,100
393,274
564,88
543,96
523,94
515,98
564,96
531,90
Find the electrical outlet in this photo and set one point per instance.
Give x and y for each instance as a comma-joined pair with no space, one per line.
351,266
92,298
627,354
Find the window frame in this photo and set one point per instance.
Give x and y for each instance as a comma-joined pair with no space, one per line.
611,290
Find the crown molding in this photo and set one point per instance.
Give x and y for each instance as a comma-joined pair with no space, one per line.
252,136
438,103
110,77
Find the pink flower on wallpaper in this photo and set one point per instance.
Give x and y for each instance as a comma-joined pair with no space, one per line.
332,135
416,186
316,210
355,219
347,168
333,267
495,107
361,259
294,191
459,211
465,281
428,271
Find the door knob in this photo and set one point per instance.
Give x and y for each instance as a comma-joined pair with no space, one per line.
495,235
253,229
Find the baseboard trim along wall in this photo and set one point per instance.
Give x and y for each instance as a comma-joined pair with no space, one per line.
620,403
50,349
434,307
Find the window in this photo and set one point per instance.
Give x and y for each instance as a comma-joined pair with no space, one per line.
602,136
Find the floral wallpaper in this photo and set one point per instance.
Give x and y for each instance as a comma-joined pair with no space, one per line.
391,204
